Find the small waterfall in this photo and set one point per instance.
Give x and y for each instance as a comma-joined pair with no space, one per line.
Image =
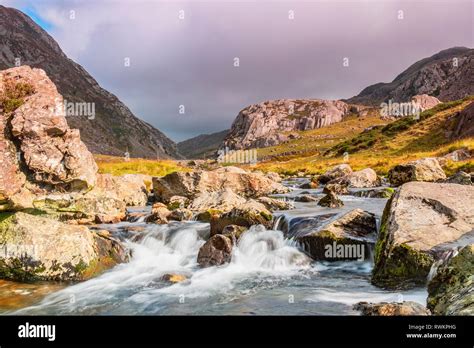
281,223
443,259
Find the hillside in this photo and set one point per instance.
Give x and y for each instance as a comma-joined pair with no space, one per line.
114,128
379,147
437,76
202,146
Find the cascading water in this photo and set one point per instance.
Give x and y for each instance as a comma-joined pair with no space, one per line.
266,270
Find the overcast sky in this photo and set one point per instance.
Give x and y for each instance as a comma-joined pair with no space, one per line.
190,61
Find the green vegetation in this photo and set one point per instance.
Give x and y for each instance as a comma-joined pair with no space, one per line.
12,97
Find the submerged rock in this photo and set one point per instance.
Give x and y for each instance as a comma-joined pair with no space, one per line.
331,200
425,169
38,248
216,251
451,291
348,237
173,278
420,222
305,198
391,308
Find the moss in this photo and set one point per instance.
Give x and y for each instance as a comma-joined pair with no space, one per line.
398,266
267,216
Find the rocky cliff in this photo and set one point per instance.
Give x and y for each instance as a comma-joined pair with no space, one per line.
114,129
264,124
447,75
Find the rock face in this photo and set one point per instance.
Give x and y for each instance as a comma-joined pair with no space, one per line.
436,76
192,184
38,248
261,125
354,233
464,123
425,169
425,102
391,308
216,251
49,152
451,291
23,38
420,222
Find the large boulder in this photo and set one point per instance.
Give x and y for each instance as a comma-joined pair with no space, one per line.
338,171
451,291
224,201
129,188
51,152
425,169
38,248
193,184
420,222
216,251
425,101
345,237
247,214
406,308
360,179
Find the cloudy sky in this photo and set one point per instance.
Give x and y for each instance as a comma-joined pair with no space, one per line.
184,52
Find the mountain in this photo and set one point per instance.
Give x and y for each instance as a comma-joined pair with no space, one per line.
265,124
115,129
202,146
437,76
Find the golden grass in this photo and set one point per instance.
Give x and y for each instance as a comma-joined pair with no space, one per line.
119,166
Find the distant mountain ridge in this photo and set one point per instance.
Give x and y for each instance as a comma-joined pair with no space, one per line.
114,130
202,146
447,75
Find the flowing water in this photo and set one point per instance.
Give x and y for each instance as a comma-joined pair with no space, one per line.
268,275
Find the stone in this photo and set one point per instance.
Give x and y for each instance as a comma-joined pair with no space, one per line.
420,222
194,184
425,169
159,214
181,214
461,178
216,251
406,308
451,290
425,101
173,278
305,198
246,215
52,152
38,248
356,231
385,192
273,204
331,201
336,172
337,188
360,179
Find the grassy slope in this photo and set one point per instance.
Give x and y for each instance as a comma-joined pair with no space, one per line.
119,166
380,148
